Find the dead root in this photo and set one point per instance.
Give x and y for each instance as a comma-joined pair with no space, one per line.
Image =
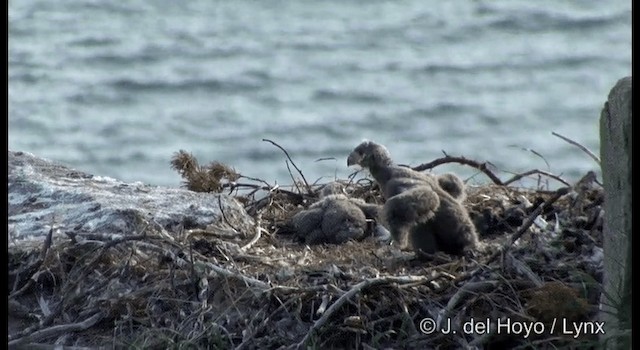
540,262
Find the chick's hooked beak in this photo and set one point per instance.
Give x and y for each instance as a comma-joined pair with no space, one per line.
354,159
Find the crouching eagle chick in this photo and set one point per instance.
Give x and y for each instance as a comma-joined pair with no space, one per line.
335,218
420,209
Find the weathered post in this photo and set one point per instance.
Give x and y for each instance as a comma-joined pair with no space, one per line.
615,154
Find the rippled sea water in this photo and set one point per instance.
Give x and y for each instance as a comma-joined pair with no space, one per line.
116,87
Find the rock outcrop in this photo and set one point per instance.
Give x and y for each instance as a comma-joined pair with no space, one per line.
42,193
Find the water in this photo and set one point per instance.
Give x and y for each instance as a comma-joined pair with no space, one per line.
115,88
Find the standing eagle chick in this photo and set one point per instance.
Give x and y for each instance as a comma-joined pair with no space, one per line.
420,209
453,185
335,218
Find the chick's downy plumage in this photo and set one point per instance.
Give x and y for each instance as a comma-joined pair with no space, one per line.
420,209
335,218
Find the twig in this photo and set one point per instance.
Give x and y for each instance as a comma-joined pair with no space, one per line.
68,291
536,153
192,269
353,291
111,241
34,267
325,158
522,268
224,217
462,160
223,234
256,180
260,204
256,237
292,163
226,273
18,310
525,226
583,148
47,242
286,162
351,177
532,217
318,180
466,289
275,188
39,346
288,290
16,293
535,171
58,309
262,324
60,329
181,262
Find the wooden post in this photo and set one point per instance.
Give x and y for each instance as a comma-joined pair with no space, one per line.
615,154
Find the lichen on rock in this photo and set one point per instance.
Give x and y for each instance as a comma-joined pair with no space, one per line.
44,193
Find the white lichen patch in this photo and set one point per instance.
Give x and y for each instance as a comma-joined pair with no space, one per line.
42,193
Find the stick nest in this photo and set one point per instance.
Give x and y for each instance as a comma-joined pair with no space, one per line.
540,262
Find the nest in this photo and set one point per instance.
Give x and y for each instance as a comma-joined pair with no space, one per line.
539,267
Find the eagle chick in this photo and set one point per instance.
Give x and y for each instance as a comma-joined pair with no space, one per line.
335,218
420,209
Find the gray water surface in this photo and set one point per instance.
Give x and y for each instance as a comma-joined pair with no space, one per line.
116,87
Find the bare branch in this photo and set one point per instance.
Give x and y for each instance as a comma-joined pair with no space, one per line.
256,237
263,286
60,329
462,160
325,158
275,188
583,148
291,160
535,171
525,226
348,295
291,175
536,153
253,179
